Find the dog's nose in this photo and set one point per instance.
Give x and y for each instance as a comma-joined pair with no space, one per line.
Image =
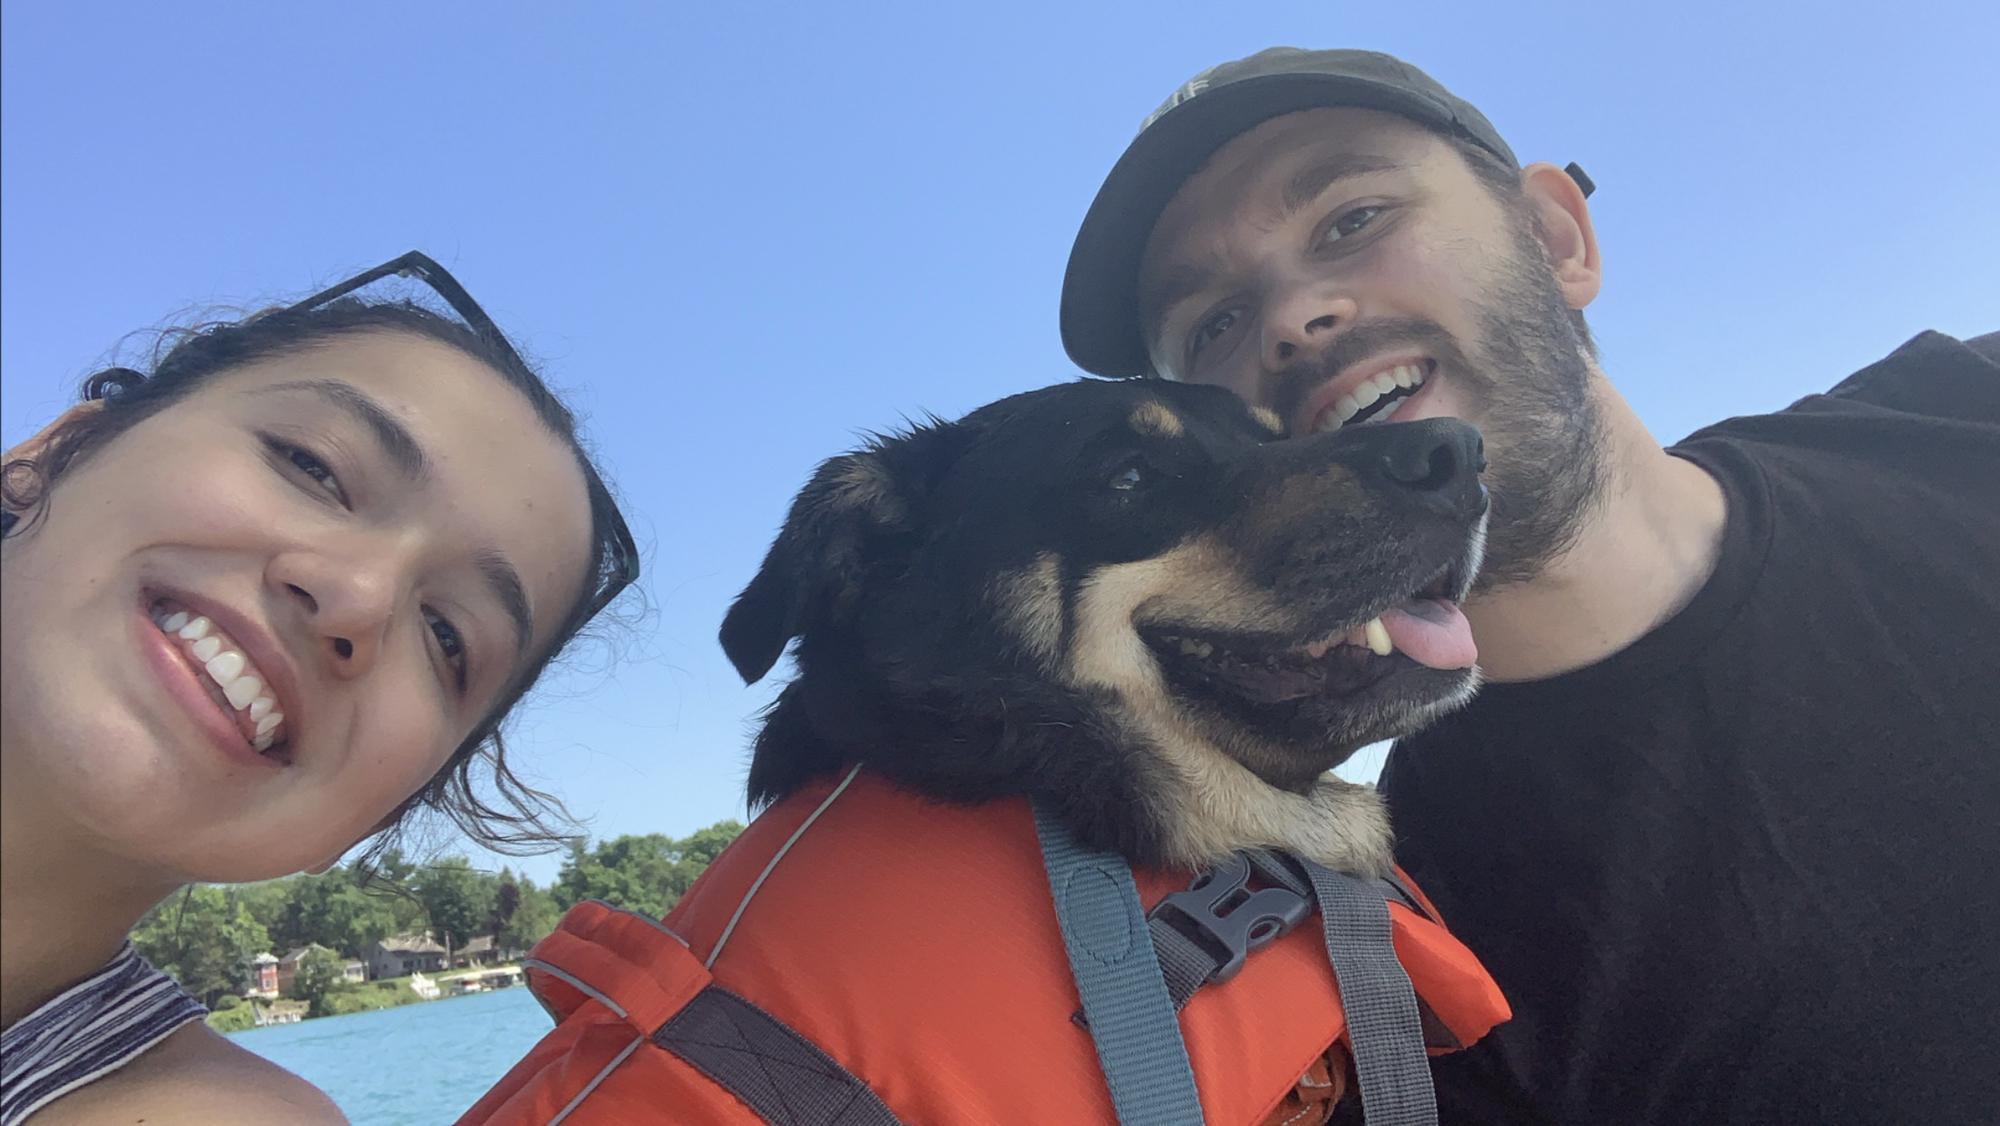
1437,459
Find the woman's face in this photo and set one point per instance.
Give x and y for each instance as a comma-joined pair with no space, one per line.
379,528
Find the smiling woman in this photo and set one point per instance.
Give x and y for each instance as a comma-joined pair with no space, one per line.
262,602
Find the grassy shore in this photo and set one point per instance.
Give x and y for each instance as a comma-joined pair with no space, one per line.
352,997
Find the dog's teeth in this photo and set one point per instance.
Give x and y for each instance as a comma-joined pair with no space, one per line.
1378,638
1318,649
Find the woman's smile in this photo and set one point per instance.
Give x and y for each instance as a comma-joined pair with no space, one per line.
237,684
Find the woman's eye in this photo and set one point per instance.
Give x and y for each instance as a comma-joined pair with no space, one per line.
309,464
1349,223
1209,331
1128,478
451,645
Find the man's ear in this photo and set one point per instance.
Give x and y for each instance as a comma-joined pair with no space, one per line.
1563,221
838,524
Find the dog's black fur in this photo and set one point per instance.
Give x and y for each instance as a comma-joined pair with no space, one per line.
1014,603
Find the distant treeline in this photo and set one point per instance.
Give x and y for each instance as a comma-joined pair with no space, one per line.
206,935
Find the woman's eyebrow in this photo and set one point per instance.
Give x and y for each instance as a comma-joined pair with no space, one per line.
403,449
511,593
395,439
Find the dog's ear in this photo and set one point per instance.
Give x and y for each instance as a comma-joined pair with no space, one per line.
854,504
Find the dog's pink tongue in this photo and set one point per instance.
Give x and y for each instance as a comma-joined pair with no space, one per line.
1431,632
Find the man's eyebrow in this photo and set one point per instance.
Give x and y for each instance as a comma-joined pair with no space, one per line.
1314,179
395,438
507,587
1183,281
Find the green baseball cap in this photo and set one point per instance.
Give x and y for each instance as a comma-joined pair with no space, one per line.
1100,306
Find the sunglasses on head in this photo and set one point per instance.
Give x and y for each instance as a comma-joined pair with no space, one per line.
620,566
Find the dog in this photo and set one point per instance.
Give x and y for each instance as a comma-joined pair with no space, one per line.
1138,603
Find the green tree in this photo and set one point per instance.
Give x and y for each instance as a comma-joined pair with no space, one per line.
534,916
647,874
393,881
336,912
205,937
704,845
267,902
318,976
457,899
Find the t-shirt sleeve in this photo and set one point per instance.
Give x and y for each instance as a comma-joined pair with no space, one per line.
1933,375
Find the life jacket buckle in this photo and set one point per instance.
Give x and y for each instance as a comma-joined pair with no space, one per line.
1226,919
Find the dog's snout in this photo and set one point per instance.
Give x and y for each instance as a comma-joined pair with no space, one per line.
1436,461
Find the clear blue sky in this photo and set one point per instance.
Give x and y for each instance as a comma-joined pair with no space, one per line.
742,233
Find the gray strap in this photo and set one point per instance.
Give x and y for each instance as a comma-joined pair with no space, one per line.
1185,965
1117,974
778,1073
1383,1026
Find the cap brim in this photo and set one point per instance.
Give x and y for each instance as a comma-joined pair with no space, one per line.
1100,306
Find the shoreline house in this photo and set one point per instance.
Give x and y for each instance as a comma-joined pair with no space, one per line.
288,966
483,950
404,954
263,979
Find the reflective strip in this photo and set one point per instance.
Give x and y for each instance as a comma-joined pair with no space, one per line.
762,876
595,1080
586,988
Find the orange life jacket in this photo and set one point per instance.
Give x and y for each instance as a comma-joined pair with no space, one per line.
912,946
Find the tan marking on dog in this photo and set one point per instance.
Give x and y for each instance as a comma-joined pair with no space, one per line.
1153,417
1212,805
862,481
1269,420
1030,607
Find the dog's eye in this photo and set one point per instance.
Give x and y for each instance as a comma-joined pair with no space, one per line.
1129,477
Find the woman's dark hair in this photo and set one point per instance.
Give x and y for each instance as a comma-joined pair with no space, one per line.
516,818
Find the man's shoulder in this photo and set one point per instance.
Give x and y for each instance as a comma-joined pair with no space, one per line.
1932,374
1932,384
197,1076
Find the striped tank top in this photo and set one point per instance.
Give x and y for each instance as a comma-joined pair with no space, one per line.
88,1031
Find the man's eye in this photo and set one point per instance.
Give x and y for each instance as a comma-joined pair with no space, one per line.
1209,331
451,645
1349,223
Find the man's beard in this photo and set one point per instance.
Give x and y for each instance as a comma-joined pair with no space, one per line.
1526,385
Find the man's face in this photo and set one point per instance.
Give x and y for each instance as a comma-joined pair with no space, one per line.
1347,267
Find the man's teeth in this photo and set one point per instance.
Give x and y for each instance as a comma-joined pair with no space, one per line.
230,670
1407,377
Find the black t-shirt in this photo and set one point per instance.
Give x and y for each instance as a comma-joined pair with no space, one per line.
1748,869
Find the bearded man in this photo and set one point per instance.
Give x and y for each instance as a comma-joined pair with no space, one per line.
1723,823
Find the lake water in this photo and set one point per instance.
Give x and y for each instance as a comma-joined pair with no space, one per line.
418,1065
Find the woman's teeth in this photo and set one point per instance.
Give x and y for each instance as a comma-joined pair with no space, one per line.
236,681
1405,378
